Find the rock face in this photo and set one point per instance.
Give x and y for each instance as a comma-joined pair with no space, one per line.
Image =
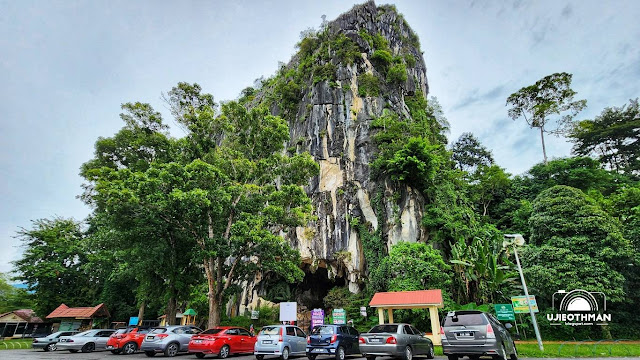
332,121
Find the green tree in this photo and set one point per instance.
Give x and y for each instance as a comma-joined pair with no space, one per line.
551,95
488,185
415,266
468,153
52,265
612,137
13,298
574,244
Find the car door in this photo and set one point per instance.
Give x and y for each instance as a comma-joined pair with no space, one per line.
246,345
346,339
423,342
355,347
302,339
502,332
101,339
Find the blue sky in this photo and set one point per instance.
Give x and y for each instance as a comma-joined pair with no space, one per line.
66,66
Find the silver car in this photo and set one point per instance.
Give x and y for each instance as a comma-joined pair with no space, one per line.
88,341
169,340
280,340
50,342
475,333
396,340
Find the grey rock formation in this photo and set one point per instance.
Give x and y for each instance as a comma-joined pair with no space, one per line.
333,123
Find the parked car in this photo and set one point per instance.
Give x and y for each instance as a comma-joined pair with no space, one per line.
475,333
126,340
49,342
169,340
222,341
334,340
396,340
280,340
88,341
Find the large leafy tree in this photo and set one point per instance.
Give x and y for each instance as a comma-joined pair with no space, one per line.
538,103
53,265
574,244
468,153
229,196
613,137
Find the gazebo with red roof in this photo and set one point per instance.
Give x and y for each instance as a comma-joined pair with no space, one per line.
77,317
420,299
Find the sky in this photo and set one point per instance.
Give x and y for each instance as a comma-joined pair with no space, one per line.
67,66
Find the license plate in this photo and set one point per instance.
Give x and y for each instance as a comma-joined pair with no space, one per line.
197,341
266,341
150,337
467,334
375,340
109,347
318,350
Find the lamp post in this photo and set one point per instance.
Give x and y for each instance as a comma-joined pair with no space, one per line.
518,240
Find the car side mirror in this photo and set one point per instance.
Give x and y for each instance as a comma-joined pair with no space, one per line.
508,325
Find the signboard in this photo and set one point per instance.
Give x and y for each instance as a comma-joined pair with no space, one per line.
339,317
133,321
520,304
317,317
255,314
505,312
363,311
288,311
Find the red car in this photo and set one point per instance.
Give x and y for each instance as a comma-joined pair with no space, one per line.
126,340
222,341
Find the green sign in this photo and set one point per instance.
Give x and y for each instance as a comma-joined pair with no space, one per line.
520,304
339,316
505,312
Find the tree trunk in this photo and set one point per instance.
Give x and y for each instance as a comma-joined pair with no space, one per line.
544,149
141,312
171,310
214,313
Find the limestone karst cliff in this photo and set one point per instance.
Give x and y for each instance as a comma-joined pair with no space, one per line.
365,63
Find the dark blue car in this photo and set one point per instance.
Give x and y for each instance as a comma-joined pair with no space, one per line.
333,340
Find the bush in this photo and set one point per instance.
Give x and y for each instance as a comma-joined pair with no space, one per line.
397,74
382,59
368,85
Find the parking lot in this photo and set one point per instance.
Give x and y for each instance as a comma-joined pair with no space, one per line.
59,355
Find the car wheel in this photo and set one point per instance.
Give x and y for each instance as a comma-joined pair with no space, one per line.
200,355
370,357
88,347
340,354
73,351
431,354
408,353
129,348
150,353
224,352
452,357
51,347
259,357
285,354
115,352
311,357
514,356
171,350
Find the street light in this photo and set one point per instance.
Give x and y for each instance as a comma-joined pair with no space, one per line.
518,240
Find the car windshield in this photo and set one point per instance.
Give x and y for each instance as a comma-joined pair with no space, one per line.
384,329
55,334
212,331
270,330
322,330
157,331
85,333
464,319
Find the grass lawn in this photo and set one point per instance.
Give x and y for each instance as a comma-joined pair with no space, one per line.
580,349
15,344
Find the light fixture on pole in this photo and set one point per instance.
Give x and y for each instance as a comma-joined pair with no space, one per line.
518,240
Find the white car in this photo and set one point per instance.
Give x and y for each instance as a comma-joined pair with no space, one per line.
88,341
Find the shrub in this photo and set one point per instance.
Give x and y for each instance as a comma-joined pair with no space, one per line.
368,85
397,74
382,59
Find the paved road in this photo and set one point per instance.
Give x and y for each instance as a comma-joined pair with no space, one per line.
63,355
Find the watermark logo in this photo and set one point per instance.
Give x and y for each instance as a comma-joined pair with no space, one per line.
579,307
